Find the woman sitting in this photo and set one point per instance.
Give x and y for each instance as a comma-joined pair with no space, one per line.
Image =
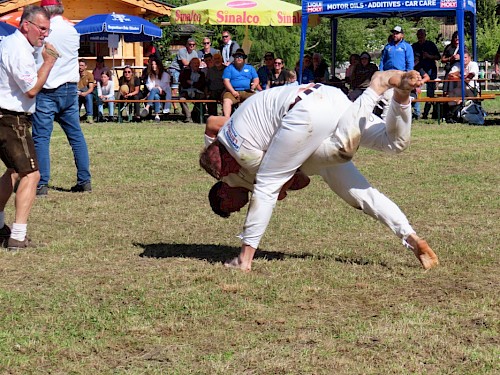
158,85
105,91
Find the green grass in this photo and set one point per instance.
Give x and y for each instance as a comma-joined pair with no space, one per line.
132,281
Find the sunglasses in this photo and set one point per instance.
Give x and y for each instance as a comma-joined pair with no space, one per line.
191,44
127,71
206,42
269,58
225,36
238,56
277,63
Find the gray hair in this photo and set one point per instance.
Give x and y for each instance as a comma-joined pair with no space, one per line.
31,11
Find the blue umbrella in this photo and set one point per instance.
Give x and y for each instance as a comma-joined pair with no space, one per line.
6,29
132,28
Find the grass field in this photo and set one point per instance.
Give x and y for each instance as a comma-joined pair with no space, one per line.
132,280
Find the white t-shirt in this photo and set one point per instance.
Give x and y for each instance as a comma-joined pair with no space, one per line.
18,73
66,40
472,67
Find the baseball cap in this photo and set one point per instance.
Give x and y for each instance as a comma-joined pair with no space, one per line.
45,3
269,54
397,29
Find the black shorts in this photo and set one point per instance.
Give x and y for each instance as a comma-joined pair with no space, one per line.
17,149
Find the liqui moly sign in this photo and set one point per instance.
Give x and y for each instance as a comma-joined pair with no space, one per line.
314,6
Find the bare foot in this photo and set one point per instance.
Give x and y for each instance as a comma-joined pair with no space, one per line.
397,79
236,263
423,252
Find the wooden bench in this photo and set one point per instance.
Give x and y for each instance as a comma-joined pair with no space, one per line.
199,102
439,100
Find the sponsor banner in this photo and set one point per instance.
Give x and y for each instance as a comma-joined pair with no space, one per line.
400,5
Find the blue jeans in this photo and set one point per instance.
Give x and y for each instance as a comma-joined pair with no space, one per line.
100,106
61,105
89,103
154,94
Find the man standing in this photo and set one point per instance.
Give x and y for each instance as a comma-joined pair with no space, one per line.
19,83
240,81
58,100
428,55
228,48
397,54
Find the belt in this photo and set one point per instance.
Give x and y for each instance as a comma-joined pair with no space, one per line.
304,93
67,84
13,113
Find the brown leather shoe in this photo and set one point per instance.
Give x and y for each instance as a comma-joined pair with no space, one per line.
425,255
15,245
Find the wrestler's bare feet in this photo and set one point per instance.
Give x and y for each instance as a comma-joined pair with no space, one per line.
242,262
236,263
422,251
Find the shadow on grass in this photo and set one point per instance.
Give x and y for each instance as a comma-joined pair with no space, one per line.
211,253
220,253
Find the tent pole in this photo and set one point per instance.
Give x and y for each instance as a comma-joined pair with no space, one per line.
305,19
334,26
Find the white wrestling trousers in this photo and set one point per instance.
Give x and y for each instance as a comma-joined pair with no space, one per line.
324,114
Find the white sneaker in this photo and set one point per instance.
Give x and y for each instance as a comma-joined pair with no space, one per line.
166,111
157,118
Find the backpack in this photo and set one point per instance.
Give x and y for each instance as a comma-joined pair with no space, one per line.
472,113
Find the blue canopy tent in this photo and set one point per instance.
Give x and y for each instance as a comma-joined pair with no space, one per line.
391,8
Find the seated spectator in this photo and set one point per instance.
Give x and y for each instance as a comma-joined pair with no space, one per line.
158,85
354,60
240,80
214,83
307,73
130,86
278,74
192,85
291,78
208,62
320,69
265,70
471,74
99,68
361,76
85,89
105,91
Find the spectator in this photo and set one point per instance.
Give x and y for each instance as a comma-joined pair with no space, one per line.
240,80
59,99
265,70
397,54
228,48
215,83
354,60
361,76
449,57
130,90
292,78
208,61
99,68
86,86
192,85
207,49
158,85
320,69
182,60
20,81
307,73
278,75
428,55
105,91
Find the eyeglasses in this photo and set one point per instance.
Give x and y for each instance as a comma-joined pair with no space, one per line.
238,56
41,30
191,44
225,36
206,42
